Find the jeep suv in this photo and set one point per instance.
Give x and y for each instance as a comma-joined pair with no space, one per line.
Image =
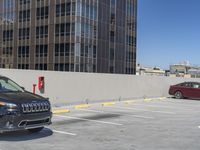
22,110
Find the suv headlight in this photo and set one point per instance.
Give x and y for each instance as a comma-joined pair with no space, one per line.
9,106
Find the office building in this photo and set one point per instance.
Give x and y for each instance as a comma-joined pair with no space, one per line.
96,36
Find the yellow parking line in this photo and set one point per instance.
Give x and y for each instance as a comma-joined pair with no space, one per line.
81,106
163,98
108,104
129,102
59,111
147,99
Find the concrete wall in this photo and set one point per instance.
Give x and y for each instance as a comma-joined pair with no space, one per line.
70,88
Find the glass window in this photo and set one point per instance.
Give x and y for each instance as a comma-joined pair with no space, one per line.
24,2
62,29
77,49
24,15
62,49
7,52
8,35
7,85
43,12
188,84
24,33
23,51
112,54
73,29
78,8
41,66
42,32
113,2
195,85
73,8
41,51
63,9
23,66
78,29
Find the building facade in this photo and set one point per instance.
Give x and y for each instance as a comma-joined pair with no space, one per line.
69,35
185,70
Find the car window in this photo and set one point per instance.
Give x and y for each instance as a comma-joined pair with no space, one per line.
188,85
195,85
7,85
182,84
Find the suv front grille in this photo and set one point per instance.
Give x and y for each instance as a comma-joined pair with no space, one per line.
28,123
35,107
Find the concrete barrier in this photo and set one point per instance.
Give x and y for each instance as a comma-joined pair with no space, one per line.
73,88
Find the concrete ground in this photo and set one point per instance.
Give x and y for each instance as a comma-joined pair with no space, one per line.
151,124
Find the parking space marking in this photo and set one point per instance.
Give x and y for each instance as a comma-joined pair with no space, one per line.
63,132
156,111
59,111
90,120
160,106
97,111
108,104
81,106
180,103
199,127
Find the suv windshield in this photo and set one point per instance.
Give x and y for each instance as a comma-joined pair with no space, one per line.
7,85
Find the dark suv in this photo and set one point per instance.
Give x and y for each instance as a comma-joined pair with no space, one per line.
22,110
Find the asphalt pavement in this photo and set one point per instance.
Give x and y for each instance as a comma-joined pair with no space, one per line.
150,124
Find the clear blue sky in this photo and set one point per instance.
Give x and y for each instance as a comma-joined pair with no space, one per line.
168,32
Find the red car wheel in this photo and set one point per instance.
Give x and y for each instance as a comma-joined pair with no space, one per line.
178,95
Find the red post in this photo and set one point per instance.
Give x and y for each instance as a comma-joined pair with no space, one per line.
34,88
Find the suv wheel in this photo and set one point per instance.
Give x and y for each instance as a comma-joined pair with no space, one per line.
178,95
35,130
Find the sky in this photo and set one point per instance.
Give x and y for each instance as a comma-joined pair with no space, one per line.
168,32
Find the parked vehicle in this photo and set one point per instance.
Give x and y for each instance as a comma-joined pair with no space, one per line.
185,90
22,110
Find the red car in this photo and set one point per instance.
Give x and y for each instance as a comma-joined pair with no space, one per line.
185,90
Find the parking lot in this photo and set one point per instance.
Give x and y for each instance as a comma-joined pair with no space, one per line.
150,124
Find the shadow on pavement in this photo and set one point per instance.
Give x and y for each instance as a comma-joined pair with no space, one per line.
92,117
25,135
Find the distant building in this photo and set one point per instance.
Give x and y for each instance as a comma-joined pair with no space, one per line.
194,72
179,69
184,70
140,70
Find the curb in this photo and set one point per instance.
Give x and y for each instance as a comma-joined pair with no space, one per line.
59,111
81,106
108,104
130,102
147,99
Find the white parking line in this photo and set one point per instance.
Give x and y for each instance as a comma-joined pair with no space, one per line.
199,127
84,119
161,106
184,103
164,112
63,132
104,112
